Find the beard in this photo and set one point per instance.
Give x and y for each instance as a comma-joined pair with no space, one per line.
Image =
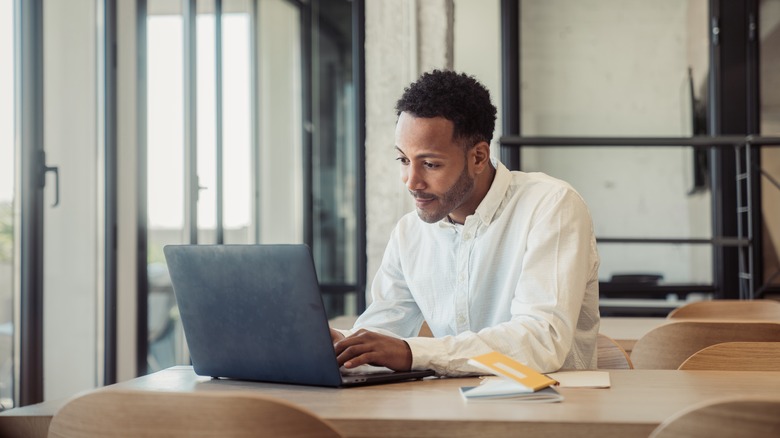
449,201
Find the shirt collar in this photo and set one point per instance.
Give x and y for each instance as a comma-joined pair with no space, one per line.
492,200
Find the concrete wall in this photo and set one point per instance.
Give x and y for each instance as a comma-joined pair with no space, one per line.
403,39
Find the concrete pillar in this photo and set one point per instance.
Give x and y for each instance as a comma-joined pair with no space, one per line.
404,38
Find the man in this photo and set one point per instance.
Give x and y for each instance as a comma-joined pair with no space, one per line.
492,260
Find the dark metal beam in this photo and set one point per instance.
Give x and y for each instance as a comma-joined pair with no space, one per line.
142,278
359,84
702,141
733,110
510,79
190,82
220,231
107,141
307,128
28,40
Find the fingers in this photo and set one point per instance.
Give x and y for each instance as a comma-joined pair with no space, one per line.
345,342
365,347
350,348
357,355
336,335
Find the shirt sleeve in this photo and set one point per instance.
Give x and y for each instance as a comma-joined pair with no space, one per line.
555,272
393,311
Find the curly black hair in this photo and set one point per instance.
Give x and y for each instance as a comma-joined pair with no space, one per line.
457,97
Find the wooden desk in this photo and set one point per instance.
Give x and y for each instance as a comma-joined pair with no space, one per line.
636,403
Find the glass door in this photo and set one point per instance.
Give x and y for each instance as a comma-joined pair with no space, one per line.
51,201
335,173
7,186
72,201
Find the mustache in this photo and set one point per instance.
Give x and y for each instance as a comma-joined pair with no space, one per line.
422,195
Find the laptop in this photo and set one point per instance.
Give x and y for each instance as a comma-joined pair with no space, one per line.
255,312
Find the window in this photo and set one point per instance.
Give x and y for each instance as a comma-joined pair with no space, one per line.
213,118
334,157
165,180
262,149
7,185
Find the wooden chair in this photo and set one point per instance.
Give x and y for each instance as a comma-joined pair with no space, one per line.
667,346
425,331
738,417
127,413
611,355
736,356
766,310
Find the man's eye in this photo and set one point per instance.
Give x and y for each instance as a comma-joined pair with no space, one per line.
403,160
430,165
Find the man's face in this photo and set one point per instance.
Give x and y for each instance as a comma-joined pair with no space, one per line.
433,166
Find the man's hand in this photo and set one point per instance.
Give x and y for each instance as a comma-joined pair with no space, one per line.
365,347
336,336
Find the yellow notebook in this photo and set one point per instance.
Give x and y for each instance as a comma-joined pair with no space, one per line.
518,380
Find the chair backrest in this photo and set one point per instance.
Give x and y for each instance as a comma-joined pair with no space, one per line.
126,413
611,355
766,310
738,417
736,356
425,331
667,346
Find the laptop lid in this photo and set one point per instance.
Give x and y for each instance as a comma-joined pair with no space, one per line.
255,312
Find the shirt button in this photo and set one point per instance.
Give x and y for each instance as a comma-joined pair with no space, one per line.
461,319
461,278
467,236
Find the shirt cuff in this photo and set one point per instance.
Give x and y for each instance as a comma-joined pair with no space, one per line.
424,352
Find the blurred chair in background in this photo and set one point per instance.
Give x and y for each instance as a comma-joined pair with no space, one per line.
767,310
736,356
611,355
667,346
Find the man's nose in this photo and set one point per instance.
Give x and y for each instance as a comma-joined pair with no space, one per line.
413,178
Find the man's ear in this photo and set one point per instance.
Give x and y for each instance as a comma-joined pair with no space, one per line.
480,156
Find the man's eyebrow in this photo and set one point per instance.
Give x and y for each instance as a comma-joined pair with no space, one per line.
421,156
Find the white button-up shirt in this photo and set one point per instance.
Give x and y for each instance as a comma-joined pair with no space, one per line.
520,276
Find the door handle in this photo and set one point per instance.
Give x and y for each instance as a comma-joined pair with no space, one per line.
46,169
